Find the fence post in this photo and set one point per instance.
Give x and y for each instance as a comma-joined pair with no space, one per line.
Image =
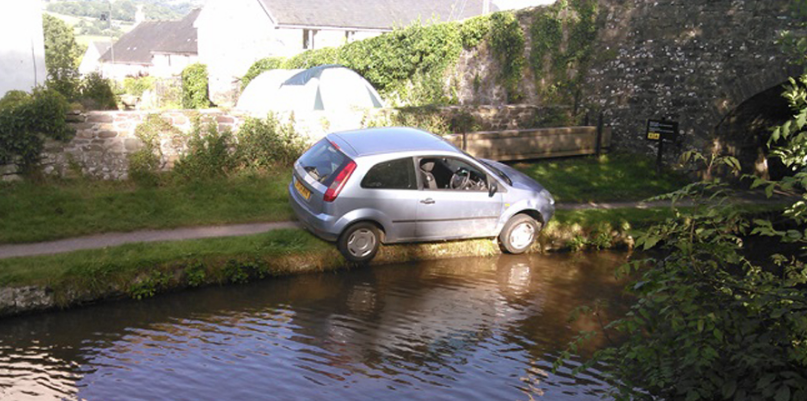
599,135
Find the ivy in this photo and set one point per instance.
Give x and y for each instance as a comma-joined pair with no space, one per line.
194,87
562,48
507,42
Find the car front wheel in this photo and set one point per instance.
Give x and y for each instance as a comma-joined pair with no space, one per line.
518,234
359,243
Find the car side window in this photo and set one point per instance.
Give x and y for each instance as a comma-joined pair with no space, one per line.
394,174
452,174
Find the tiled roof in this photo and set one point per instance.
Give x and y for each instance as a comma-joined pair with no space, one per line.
101,46
137,46
368,14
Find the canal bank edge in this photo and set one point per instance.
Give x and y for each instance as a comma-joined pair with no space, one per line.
88,283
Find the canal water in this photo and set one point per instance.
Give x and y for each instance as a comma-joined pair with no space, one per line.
462,329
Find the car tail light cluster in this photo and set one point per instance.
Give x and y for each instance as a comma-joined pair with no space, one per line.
339,183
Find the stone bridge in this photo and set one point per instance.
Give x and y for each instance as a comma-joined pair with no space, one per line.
694,61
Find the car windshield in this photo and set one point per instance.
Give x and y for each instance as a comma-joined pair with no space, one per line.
498,172
322,160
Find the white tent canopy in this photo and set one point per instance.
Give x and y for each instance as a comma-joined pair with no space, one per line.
325,88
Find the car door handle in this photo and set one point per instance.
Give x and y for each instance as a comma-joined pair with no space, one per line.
428,201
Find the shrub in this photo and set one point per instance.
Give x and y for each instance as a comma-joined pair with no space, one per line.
26,121
145,163
260,66
209,153
264,143
95,93
426,118
137,85
194,87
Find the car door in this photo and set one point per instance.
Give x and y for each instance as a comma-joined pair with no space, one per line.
444,212
390,187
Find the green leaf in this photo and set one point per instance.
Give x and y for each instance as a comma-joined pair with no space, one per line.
783,394
729,387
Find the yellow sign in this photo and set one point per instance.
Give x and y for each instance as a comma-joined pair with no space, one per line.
653,136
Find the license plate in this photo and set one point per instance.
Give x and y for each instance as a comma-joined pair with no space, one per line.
304,192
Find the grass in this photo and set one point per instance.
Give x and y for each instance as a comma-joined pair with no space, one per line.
32,212
145,269
54,270
614,177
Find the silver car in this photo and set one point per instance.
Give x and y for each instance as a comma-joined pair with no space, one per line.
391,185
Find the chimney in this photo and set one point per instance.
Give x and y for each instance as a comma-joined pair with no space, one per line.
485,6
140,16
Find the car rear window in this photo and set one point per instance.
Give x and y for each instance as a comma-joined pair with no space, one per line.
395,174
322,160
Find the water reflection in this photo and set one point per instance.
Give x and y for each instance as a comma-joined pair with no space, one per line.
468,328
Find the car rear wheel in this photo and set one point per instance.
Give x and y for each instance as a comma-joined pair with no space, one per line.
518,234
359,243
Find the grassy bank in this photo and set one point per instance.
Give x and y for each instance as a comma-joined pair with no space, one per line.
142,270
33,212
145,269
613,177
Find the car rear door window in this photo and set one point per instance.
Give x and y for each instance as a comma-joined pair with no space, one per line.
394,174
322,160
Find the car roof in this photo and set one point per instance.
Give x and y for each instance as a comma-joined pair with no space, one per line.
375,141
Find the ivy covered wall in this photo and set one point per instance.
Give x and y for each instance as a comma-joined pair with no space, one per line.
692,61
501,58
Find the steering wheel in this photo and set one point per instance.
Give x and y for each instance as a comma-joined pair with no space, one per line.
460,179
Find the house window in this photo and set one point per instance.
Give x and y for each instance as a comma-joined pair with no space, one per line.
349,36
308,38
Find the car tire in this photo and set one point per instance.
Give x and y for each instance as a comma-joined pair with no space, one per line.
359,243
518,234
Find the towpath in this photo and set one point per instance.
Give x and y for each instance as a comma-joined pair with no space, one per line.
186,233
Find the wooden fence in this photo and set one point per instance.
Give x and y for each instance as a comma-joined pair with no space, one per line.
534,143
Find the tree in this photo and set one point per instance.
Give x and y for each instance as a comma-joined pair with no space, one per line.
61,55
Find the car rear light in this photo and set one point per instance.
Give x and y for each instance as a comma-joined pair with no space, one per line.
339,182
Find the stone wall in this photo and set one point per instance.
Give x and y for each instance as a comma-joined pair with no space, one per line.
692,61
104,139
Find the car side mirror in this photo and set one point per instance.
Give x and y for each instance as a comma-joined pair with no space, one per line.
494,187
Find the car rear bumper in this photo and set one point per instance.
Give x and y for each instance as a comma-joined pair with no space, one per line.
320,225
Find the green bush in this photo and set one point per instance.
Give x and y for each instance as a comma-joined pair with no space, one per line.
26,121
145,163
194,87
427,118
209,153
137,85
265,143
260,66
95,93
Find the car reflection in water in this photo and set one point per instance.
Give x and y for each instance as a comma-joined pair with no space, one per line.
465,328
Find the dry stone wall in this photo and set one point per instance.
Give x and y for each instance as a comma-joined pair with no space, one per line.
104,139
